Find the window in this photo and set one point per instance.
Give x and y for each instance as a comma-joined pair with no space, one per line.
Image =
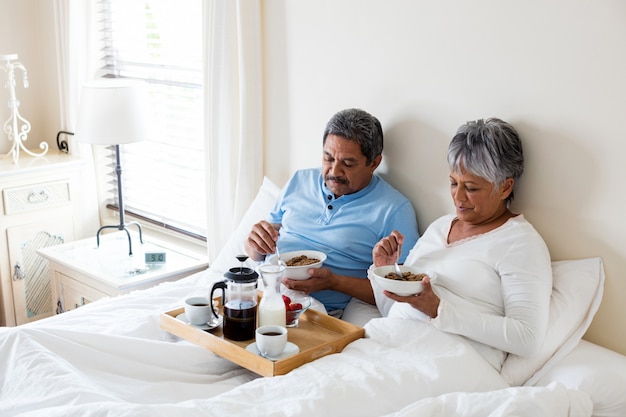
159,41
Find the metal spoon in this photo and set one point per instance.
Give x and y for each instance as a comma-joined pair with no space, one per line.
279,261
396,268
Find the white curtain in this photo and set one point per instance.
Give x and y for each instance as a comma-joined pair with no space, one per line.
74,35
233,113
74,30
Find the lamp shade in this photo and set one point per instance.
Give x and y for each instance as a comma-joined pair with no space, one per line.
113,111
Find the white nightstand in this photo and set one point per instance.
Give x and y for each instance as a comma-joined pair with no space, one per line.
83,272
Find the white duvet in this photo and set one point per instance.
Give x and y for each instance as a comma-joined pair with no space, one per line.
111,359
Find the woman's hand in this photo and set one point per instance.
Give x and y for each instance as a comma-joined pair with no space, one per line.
427,301
385,252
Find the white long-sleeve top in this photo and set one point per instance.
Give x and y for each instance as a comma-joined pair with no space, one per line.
494,288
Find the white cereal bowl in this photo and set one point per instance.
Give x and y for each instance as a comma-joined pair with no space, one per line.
400,287
300,272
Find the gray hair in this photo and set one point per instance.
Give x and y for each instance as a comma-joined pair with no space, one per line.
490,149
359,126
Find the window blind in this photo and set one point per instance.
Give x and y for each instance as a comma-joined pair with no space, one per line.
159,41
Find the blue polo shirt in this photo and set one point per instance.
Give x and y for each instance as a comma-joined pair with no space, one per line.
345,228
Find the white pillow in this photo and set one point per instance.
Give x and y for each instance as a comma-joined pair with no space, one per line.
359,312
258,210
577,288
598,371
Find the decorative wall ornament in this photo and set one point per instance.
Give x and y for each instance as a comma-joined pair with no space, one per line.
16,126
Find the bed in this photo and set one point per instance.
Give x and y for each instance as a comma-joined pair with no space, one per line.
110,358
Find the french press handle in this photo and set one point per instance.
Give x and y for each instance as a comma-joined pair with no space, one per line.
221,285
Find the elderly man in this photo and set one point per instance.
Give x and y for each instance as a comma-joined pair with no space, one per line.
342,209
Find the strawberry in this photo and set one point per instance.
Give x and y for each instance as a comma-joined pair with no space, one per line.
294,306
286,300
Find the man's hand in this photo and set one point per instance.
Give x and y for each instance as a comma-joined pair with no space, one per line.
262,240
320,279
325,279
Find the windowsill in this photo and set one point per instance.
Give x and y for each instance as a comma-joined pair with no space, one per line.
169,236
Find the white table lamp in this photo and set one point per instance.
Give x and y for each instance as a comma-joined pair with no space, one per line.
114,111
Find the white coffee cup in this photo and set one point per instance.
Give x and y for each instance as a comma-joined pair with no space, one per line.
271,340
198,310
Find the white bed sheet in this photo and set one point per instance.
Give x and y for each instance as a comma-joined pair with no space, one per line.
110,358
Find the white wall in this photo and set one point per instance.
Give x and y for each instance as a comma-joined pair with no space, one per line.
27,29
555,69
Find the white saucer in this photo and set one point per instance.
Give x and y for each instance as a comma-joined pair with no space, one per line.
290,349
208,326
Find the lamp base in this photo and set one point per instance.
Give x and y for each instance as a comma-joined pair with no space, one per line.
122,226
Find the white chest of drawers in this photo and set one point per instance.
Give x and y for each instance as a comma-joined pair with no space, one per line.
43,203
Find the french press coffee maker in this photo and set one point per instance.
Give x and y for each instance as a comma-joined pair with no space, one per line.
239,298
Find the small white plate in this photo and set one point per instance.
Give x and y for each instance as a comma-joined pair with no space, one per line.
208,326
290,349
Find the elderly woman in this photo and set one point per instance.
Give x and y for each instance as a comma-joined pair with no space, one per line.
493,277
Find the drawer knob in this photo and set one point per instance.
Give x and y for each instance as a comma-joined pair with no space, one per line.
18,274
41,196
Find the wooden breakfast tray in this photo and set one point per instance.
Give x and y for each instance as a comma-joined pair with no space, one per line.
317,335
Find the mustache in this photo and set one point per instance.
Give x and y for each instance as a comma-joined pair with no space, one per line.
336,179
